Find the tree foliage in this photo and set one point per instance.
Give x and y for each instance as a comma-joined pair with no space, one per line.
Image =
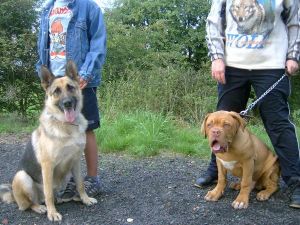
150,42
159,31
19,90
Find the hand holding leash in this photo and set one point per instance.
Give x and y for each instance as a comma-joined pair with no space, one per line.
291,67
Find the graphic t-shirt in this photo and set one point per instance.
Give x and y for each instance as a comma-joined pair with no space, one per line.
59,19
254,34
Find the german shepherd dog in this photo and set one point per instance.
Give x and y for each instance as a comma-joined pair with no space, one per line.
54,150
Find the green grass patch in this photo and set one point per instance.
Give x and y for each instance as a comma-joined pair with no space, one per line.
140,133
260,132
147,134
13,123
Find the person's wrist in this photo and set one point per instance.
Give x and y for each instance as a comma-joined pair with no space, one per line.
216,57
218,60
293,59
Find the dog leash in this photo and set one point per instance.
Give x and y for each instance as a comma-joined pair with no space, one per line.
245,112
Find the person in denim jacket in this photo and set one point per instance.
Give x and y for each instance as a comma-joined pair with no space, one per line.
75,30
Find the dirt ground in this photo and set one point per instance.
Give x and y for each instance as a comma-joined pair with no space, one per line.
149,191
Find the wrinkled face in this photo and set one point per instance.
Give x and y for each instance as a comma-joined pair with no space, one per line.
63,93
220,127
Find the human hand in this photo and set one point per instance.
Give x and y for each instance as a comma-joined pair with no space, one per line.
218,70
82,83
291,67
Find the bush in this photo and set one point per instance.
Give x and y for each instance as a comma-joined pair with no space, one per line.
184,93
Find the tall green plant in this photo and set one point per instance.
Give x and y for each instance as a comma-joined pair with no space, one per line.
19,90
184,93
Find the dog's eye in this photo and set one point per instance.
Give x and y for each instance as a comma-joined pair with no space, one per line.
57,91
209,125
70,88
226,125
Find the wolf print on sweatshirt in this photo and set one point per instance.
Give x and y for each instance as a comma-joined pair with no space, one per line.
254,34
253,16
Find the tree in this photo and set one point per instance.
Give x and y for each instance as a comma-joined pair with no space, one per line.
170,25
19,90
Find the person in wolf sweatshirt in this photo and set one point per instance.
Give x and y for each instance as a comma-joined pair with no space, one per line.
75,30
252,43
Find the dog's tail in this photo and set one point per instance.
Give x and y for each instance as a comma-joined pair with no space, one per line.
6,194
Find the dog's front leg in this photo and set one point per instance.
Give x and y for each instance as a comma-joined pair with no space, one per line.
76,171
242,200
47,173
218,191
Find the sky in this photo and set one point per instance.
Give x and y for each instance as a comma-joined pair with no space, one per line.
104,3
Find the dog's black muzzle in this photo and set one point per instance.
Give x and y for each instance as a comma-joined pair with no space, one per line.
67,103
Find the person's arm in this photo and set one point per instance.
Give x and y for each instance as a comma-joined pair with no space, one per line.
215,29
291,17
215,38
96,56
39,62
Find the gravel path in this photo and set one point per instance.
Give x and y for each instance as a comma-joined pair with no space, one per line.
150,191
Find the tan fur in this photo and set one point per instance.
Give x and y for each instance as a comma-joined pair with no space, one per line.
58,146
244,155
6,193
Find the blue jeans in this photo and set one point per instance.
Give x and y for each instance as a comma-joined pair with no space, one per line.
273,108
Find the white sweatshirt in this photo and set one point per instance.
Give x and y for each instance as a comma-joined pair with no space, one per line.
254,34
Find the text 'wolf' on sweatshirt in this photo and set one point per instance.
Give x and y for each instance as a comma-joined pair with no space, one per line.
254,34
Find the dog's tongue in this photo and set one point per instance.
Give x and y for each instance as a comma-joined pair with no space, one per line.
216,147
70,115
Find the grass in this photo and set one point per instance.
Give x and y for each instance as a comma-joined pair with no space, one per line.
13,123
140,134
260,131
146,134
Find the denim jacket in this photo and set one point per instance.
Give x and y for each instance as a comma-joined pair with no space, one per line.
85,41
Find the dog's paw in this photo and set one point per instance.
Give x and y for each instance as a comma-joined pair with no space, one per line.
213,196
263,195
54,216
89,201
240,203
41,209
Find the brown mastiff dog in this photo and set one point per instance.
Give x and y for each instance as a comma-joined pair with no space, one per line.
243,154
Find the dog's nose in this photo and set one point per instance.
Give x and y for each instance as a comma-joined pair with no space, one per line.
216,132
67,104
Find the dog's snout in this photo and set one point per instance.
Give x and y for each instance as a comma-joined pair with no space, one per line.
216,132
67,103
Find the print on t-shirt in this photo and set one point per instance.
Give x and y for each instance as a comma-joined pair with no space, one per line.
58,37
59,20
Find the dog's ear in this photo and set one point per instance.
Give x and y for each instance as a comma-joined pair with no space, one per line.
203,130
71,71
46,77
239,119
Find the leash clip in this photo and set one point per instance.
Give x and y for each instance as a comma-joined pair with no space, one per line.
244,114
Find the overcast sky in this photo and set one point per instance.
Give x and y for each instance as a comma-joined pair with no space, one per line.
104,3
